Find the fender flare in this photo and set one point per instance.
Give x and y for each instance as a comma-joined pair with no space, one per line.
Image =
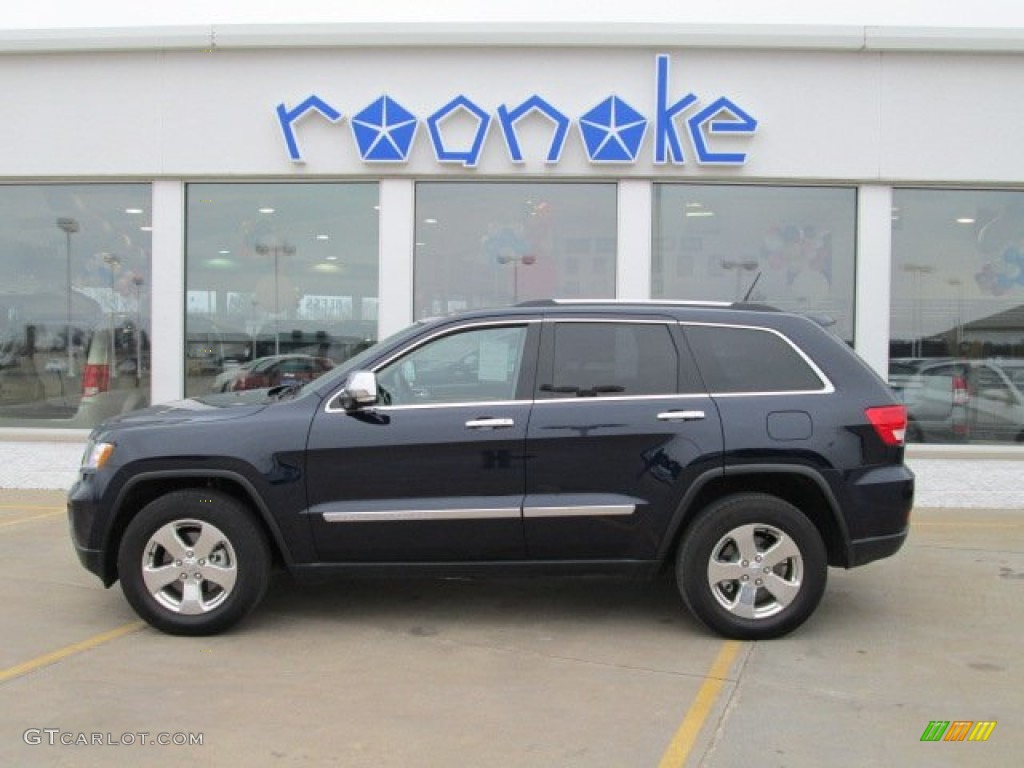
684,512
250,490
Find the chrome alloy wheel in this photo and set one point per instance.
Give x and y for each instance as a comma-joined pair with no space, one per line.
755,571
189,566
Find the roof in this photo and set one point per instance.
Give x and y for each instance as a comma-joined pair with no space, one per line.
528,34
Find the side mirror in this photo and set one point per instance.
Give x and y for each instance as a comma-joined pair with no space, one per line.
360,390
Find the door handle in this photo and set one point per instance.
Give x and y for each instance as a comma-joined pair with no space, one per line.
681,416
490,424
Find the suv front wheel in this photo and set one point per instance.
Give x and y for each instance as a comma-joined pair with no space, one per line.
193,562
751,567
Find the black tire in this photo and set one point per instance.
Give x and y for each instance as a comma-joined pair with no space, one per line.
770,596
194,562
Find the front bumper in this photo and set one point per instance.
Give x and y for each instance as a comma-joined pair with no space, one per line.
86,534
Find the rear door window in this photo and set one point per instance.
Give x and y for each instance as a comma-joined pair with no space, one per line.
738,359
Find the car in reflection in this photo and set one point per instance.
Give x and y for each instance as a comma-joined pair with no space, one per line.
232,371
272,371
957,400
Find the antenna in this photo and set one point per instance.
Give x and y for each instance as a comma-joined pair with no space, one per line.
750,290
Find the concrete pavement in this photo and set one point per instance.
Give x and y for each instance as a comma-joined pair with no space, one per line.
517,672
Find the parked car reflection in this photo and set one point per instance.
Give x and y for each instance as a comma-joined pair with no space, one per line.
272,371
955,400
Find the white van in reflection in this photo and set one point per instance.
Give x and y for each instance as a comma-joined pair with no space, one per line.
959,400
42,384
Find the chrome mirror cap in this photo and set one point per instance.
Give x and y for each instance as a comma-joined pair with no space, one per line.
360,390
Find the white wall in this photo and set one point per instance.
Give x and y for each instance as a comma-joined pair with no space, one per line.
824,115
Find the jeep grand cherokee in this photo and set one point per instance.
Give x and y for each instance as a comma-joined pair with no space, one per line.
745,448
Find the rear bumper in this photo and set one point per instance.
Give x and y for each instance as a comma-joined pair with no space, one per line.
864,551
878,506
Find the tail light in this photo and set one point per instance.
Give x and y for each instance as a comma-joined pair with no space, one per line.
890,422
961,399
960,394
95,379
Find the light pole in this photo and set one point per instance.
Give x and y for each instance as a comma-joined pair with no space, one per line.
526,260
113,262
69,226
957,283
139,282
277,251
917,270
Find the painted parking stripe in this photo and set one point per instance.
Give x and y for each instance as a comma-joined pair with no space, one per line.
19,670
686,736
22,507
34,512
30,518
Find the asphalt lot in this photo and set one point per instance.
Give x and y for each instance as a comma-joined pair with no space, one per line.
517,672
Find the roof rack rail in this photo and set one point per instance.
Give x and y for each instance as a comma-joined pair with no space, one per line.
646,303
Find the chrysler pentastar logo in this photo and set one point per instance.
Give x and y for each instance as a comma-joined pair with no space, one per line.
613,131
384,131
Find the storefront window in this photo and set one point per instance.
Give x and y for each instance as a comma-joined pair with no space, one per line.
957,322
492,244
74,303
791,247
281,282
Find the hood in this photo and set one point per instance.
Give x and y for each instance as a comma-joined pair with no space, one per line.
206,408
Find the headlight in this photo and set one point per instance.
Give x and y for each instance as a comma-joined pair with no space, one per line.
96,455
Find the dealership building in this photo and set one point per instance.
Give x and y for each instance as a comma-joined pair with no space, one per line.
176,203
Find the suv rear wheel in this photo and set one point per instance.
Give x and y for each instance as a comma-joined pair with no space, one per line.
751,567
193,562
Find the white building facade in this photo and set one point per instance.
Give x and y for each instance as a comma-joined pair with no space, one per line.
178,203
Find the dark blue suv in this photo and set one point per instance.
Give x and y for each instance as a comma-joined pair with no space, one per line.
748,449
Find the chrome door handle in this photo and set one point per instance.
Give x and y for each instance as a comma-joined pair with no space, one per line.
490,424
681,415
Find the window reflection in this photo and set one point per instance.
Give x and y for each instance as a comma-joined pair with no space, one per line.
281,277
74,307
791,247
957,319
492,244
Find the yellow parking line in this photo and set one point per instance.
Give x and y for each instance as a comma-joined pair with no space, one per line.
684,739
49,507
30,518
18,670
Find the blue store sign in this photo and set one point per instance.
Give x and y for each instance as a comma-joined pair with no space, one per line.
612,131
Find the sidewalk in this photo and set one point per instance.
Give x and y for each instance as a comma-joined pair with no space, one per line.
964,483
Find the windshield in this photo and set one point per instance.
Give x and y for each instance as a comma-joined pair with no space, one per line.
337,375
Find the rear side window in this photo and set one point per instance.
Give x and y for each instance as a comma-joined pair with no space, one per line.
612,359
750,360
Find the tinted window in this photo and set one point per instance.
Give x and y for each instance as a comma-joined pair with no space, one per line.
612,359
749,360
478,365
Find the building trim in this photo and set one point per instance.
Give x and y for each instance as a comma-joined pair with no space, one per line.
510,34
